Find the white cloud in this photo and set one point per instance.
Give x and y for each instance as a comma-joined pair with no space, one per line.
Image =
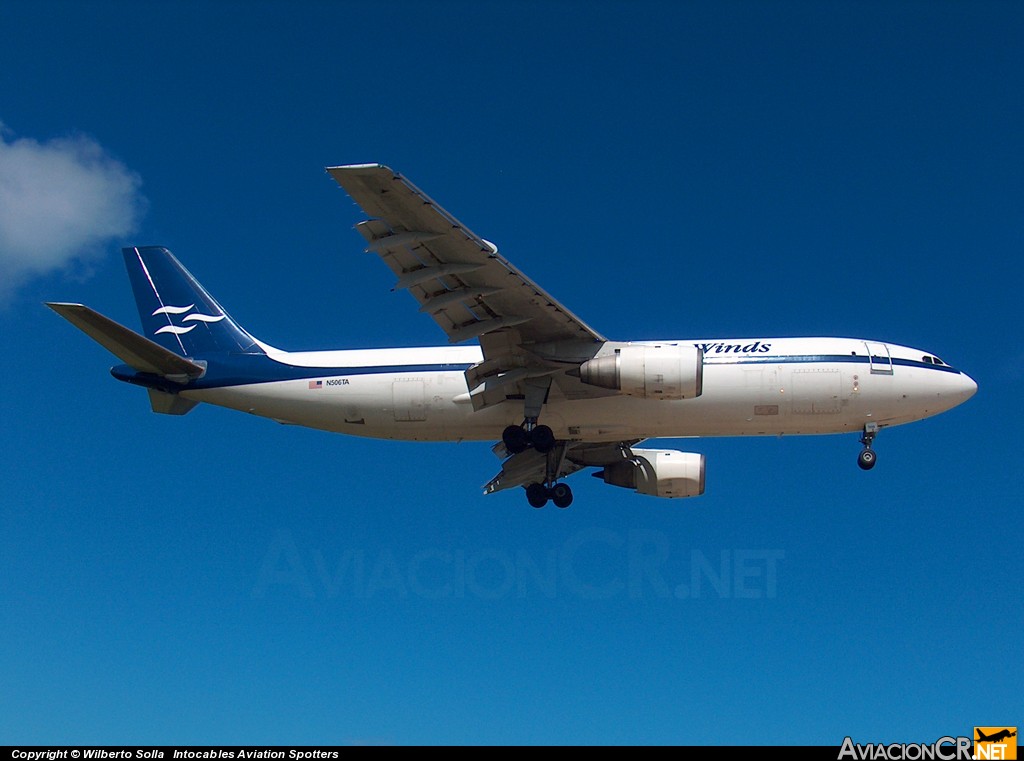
60,201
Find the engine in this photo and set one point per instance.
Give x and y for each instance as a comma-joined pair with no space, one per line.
658,473
650,372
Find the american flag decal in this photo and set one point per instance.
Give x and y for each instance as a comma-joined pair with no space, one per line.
316,384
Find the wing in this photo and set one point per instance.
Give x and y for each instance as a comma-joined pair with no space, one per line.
458,278
470,290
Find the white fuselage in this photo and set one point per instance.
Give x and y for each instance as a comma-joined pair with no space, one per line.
794,386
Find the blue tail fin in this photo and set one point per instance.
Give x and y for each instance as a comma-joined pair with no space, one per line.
176,311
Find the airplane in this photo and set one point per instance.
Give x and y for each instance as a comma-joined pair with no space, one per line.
995,737
556,395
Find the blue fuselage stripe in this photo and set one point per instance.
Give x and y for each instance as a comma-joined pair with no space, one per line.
245,369
881,362
258,368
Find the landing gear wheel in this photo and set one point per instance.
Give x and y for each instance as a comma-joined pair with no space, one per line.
515,438
561,495
536,495
867,459
542,438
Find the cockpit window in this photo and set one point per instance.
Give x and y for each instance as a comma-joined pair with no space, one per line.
938,361
929,360
926,359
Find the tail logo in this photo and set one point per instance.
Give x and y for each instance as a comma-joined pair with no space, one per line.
195,317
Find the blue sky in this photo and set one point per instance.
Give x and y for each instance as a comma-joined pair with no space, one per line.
665,170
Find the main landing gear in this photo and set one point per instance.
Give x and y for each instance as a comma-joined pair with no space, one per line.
539,494
867,457
519,438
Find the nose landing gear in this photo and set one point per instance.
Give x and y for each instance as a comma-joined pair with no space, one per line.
867,457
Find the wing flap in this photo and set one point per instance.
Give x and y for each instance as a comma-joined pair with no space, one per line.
526,468
531,466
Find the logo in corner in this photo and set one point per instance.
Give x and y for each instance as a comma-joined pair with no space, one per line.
995,743
193,318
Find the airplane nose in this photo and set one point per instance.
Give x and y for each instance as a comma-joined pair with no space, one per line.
967,388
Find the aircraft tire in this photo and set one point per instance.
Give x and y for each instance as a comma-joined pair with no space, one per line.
543,439
561,495
536,495
515,438
867,459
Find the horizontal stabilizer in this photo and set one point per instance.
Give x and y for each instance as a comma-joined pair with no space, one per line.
127,345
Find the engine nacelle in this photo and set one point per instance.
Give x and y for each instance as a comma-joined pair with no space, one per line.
650,372
659,473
